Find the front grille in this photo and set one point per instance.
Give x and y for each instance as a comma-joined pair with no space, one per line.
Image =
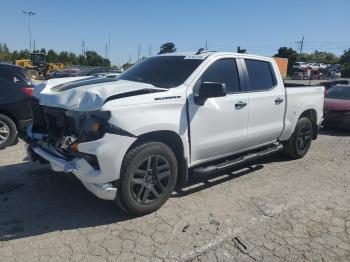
55,124
51,121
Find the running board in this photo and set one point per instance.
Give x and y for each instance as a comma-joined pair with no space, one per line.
228,164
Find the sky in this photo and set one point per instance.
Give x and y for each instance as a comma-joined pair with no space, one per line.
260,26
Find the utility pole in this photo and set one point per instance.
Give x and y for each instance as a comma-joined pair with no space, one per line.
129,58
109,45
106,48
34,46
206,45
29,13
138,54
301,45
83,47
150,50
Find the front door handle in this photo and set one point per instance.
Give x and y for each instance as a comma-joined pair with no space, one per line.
240,104
278,100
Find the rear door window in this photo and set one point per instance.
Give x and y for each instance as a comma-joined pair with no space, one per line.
12,76
261,76
223,71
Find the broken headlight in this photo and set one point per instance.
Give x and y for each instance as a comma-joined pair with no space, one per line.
92,127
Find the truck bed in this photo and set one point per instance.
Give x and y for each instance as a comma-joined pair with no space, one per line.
299,99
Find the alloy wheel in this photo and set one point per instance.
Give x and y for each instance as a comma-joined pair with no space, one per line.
151,179
4,132
304,139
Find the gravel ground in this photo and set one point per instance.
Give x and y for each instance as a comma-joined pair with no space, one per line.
273,210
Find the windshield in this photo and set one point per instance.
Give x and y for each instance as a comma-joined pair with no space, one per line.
162,71
38,58
339,92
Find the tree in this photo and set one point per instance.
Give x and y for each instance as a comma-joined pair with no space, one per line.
324,57
63,57
5,49
73,58
285,52
81,60
15,55
345,58
127,66
168,47
291,54
345,62
51,56
24,54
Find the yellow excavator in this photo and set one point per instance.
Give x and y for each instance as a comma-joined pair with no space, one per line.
36,67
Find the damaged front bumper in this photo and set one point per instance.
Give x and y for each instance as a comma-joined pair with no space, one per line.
109,151
81,169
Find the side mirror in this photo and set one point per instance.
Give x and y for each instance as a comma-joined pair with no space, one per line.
207,90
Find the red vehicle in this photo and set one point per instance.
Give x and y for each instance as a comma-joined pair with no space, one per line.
337,107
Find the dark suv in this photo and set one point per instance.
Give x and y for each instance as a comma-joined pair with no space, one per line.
15,96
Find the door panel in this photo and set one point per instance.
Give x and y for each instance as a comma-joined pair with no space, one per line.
265,117
266,103
218,127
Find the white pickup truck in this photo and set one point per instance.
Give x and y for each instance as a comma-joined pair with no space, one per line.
131,139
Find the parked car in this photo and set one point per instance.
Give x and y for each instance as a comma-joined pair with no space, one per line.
131,139
60,74
322,66
313,66
329,84
337,107
97,70
300,65
15,94
107,75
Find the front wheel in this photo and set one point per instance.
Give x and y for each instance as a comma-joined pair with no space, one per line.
8,131
299,143
148,177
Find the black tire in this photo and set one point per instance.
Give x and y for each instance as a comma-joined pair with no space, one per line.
299,143
8,131
147,179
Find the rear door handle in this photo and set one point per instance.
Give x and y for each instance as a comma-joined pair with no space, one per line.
240,104
278,100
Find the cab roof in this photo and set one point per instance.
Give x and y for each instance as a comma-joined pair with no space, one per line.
206,54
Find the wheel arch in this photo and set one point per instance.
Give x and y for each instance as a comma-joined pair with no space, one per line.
174,141
9,115
312,115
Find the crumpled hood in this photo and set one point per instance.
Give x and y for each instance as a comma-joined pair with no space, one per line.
85,93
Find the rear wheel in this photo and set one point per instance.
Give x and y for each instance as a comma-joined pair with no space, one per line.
147,179
299,143
8,131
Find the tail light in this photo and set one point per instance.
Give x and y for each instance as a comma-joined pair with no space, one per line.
27,90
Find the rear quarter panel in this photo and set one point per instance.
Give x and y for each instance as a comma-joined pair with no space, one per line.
299,100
